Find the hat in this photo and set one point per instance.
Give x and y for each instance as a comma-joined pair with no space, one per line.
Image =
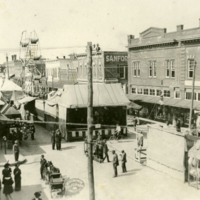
6,165
37,194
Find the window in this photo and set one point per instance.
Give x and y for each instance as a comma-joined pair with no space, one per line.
139,91
166,93
121,71
170,69
136,69
152,68
94,70
146,91
99,72
158,92
177,94
152,92
188,95
198,97
134,90
191,64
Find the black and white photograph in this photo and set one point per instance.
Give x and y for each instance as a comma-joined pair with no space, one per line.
99,99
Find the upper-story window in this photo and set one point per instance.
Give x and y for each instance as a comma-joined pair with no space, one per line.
170,69
136,69
177,93
158,92
166,93
146,91
152,92
152,68
191,64
134,90
139,91
121,71
99,71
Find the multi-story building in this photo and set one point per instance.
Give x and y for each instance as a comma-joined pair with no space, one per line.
161,68
108,67
60,71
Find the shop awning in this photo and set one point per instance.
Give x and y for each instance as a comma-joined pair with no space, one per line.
26,99
134,106
75,96
179,103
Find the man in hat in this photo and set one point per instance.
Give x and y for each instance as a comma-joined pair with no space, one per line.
105,149
43,163
124,160
37,196
115,163
16,150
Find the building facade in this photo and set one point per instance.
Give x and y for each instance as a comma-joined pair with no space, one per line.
60,71
107,66
160,72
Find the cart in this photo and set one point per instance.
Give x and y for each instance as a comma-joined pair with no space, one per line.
56,184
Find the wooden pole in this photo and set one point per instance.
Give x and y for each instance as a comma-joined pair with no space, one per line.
192,102
7,66
90,123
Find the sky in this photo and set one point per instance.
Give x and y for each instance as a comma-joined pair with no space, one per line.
73,23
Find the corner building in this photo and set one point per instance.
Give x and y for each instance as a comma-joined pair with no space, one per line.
160,72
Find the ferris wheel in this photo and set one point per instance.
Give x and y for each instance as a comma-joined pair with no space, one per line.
29,46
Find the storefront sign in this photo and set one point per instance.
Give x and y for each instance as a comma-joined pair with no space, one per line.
116,58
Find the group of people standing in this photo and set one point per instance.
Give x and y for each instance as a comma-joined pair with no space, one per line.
7,180
56,139
116,162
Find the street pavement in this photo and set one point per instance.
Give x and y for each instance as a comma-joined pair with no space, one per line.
139,183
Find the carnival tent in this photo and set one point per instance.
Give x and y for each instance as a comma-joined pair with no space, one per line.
76,96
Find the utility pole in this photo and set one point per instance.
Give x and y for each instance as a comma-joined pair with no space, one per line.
193,63
90,123
7,66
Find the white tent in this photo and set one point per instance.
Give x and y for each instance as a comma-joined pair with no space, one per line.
8,85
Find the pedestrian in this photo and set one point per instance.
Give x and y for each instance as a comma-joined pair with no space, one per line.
32,129
115,163
43,163
105,150
58,139
8,189
6,172
37,196
17,177
124,160
53,139
134,122
16,150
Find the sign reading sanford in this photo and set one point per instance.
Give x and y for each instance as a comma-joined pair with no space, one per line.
116,58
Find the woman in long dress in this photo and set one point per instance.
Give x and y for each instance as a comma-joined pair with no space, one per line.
17,177
8,189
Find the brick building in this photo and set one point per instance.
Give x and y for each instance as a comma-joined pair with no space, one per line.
108,67
161,69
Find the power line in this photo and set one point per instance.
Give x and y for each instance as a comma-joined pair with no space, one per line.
66,123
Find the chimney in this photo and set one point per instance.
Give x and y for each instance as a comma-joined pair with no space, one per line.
14,57
179,28
131,37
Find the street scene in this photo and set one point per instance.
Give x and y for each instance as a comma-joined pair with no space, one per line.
99,100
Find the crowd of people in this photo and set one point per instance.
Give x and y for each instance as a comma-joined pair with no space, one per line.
20,131
101,152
